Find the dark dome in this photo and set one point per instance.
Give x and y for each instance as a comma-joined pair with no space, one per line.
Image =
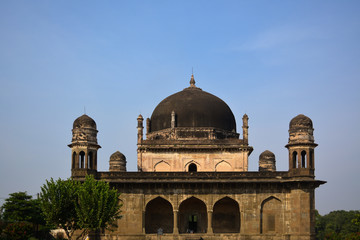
267,155
116,156
300,122
84,121
193,108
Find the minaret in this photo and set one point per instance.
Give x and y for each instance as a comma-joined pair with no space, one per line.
140,128
173,120
245,128
301,146
84,145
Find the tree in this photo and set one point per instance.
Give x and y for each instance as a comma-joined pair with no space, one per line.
98,206
20,207
338,225
58,200
89,206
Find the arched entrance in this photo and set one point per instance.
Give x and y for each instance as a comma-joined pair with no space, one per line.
192,216
226,216
270,216
159,214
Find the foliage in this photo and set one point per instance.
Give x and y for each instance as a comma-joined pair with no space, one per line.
98,206
338,225
58,200
89,206
18,230
21,207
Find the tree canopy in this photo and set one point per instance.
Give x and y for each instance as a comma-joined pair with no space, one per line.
338,225
88,206
20,207
58,199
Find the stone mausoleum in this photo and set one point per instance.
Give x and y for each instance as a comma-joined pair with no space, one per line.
193,180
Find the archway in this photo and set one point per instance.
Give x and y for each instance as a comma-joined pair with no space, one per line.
193,216
192,167
82,159
226,216
271,216
159,214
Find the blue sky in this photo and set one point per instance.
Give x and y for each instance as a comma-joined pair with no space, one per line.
269,59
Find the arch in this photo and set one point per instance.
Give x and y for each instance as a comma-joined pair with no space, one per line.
162,166
159,214
192,167
311,159
223,166
73,163
186,167
90,161
271,216
82,159
226,216
303,159
192,216
294,159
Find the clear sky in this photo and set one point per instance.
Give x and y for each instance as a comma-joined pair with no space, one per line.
269,59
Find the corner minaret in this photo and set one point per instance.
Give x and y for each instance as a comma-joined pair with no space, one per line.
301,145
140,128
245,128
84,145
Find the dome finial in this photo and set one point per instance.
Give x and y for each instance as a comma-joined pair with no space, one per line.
192,81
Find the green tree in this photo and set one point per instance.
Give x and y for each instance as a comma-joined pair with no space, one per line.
338,225
98,206
89,206
20,207
58,200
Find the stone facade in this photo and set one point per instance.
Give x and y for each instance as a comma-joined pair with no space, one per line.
193,180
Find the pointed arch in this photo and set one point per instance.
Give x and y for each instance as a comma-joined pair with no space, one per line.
223,166
226,216
162,166
187,165
159,214
303,159
90,160
271,212
294,159
192,216
82,159
73,164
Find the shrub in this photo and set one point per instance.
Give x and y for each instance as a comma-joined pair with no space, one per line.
18,231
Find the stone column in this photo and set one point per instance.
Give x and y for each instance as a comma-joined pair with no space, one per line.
209,227
176,229
86,159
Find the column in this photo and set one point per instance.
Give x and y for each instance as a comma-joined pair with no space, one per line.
209,227
176,229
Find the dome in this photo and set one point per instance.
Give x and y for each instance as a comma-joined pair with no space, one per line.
301,122
117,162
193,108
267,161
116,156
267,155
84,121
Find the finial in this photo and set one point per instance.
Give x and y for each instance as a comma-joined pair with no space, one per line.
192,81
84,110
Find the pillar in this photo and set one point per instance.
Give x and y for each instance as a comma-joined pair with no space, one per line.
209,217
176,229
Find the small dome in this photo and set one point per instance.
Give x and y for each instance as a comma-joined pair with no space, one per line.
267,162
300,122
116,156
117,162
193,108
267,155
84,121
